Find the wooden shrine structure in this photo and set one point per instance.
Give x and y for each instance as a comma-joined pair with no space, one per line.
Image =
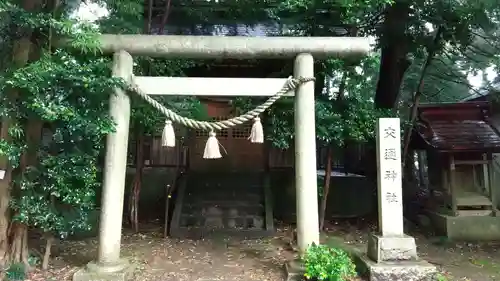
459,141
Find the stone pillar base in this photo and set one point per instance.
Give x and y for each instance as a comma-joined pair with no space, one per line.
418,270
399,248
121,271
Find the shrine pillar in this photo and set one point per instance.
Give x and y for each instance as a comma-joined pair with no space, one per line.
305,155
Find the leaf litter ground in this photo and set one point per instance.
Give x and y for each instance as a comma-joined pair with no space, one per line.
231,259
159,259
457,261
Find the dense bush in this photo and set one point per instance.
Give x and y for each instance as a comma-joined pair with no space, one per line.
329,264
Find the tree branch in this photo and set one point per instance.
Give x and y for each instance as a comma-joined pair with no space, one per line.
416,98
164,18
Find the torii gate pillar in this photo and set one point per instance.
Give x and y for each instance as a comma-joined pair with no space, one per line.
306,189
109,266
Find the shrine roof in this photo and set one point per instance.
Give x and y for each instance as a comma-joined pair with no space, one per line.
456,127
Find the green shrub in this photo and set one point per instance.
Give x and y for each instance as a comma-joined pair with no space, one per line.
441,277
16,272
329,264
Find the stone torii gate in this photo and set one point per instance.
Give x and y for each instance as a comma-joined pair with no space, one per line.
109,265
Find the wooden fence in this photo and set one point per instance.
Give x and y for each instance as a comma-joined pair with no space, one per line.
157,156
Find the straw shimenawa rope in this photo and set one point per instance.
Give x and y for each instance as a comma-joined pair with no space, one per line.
212,146
291,84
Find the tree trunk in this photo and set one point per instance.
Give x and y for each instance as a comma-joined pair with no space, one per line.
18,252
48,247
409,168
136,185
170,190
416,97
421,168
164,18
326,188
20,56
18,232
4,200
133,201
394,61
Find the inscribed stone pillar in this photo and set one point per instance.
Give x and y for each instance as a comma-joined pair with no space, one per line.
390,243
390,198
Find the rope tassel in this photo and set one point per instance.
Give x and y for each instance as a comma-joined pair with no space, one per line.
212,147
257,132
168,135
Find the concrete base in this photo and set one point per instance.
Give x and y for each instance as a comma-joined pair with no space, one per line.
122,271
418,270
294,271
468,228
401,248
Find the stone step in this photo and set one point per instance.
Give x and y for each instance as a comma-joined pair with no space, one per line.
219,222
232,184
224,200
224,208
472,200
215,193
471,213
223,204
224,188
224,216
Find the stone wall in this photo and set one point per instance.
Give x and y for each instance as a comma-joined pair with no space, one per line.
349,196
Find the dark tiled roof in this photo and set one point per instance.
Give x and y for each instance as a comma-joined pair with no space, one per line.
264,29
457,127
483,94
257,30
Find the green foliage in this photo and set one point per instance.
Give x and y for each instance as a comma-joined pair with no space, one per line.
68,95
149,119
329,264
317,17
351,117
279,125
469,44
19,271
16,272
127,17
441,277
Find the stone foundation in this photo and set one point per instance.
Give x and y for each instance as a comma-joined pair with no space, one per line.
468,228
124,271
417,270
392,248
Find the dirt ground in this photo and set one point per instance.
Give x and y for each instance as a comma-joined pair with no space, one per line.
160,259
457,261
257,260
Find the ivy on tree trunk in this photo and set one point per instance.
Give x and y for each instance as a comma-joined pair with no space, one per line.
13,236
